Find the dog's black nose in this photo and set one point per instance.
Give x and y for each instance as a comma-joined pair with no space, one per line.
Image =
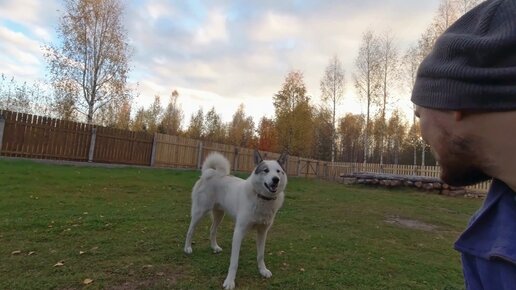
275,180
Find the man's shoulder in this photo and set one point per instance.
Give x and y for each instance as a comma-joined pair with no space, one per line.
491,233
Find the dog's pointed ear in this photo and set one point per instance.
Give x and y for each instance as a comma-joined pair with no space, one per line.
282,160
257,157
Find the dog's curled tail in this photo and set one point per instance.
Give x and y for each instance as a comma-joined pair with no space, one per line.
217,164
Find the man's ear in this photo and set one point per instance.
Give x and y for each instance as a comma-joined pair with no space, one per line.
257,157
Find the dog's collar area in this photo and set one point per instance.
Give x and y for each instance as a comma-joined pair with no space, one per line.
266,197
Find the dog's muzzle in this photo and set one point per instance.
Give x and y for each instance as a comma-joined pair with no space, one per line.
273,187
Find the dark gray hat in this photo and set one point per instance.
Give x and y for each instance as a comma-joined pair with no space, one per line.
473,63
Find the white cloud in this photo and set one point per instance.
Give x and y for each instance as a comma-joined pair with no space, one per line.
38,17
157,9
274,26
213,29
223,53
21,56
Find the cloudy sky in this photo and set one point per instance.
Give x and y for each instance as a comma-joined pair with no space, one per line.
223,53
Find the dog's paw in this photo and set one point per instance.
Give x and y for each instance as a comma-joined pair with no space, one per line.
229,284
217,249
265,273
188,250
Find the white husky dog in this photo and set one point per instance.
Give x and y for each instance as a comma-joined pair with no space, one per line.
252,202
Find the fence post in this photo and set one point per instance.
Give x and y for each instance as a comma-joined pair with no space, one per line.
199,156
298,166
92,144
153,152
2,126
235,160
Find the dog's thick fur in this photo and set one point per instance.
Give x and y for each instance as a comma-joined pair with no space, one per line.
252,202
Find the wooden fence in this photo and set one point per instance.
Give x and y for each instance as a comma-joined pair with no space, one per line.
122,146
30,136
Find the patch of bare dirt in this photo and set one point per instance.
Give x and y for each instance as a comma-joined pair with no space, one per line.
153,279
410,224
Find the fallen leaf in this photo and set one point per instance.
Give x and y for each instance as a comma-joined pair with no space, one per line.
302,269
87,281
147,266
31,253
160,274
59,264
81,252
15,252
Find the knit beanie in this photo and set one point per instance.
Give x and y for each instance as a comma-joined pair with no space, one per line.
473,63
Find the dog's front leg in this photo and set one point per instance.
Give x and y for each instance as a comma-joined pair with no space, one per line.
261,237
238,236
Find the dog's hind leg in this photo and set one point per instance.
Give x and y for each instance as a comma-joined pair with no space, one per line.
217,216
261,237
197,215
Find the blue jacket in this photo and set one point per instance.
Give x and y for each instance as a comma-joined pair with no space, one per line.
488,245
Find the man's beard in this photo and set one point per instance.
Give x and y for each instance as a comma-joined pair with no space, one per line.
460,175
459,165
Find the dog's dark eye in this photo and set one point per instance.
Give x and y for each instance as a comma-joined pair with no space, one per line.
266,171
278,171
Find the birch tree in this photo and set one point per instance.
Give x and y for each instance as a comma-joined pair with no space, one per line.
389,69
367,78
92,54
196,127
215,129
466,5
172,116
410,63
332,89
153,115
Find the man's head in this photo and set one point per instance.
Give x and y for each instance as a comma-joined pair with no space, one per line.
468,78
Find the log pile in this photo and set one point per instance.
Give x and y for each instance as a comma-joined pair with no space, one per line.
429,184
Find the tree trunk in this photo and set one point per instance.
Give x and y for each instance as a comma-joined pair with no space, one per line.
90,114
423,154
333,131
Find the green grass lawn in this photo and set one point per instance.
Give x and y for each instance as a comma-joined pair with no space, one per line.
124,229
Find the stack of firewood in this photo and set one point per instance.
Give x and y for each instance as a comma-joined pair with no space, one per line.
430,184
